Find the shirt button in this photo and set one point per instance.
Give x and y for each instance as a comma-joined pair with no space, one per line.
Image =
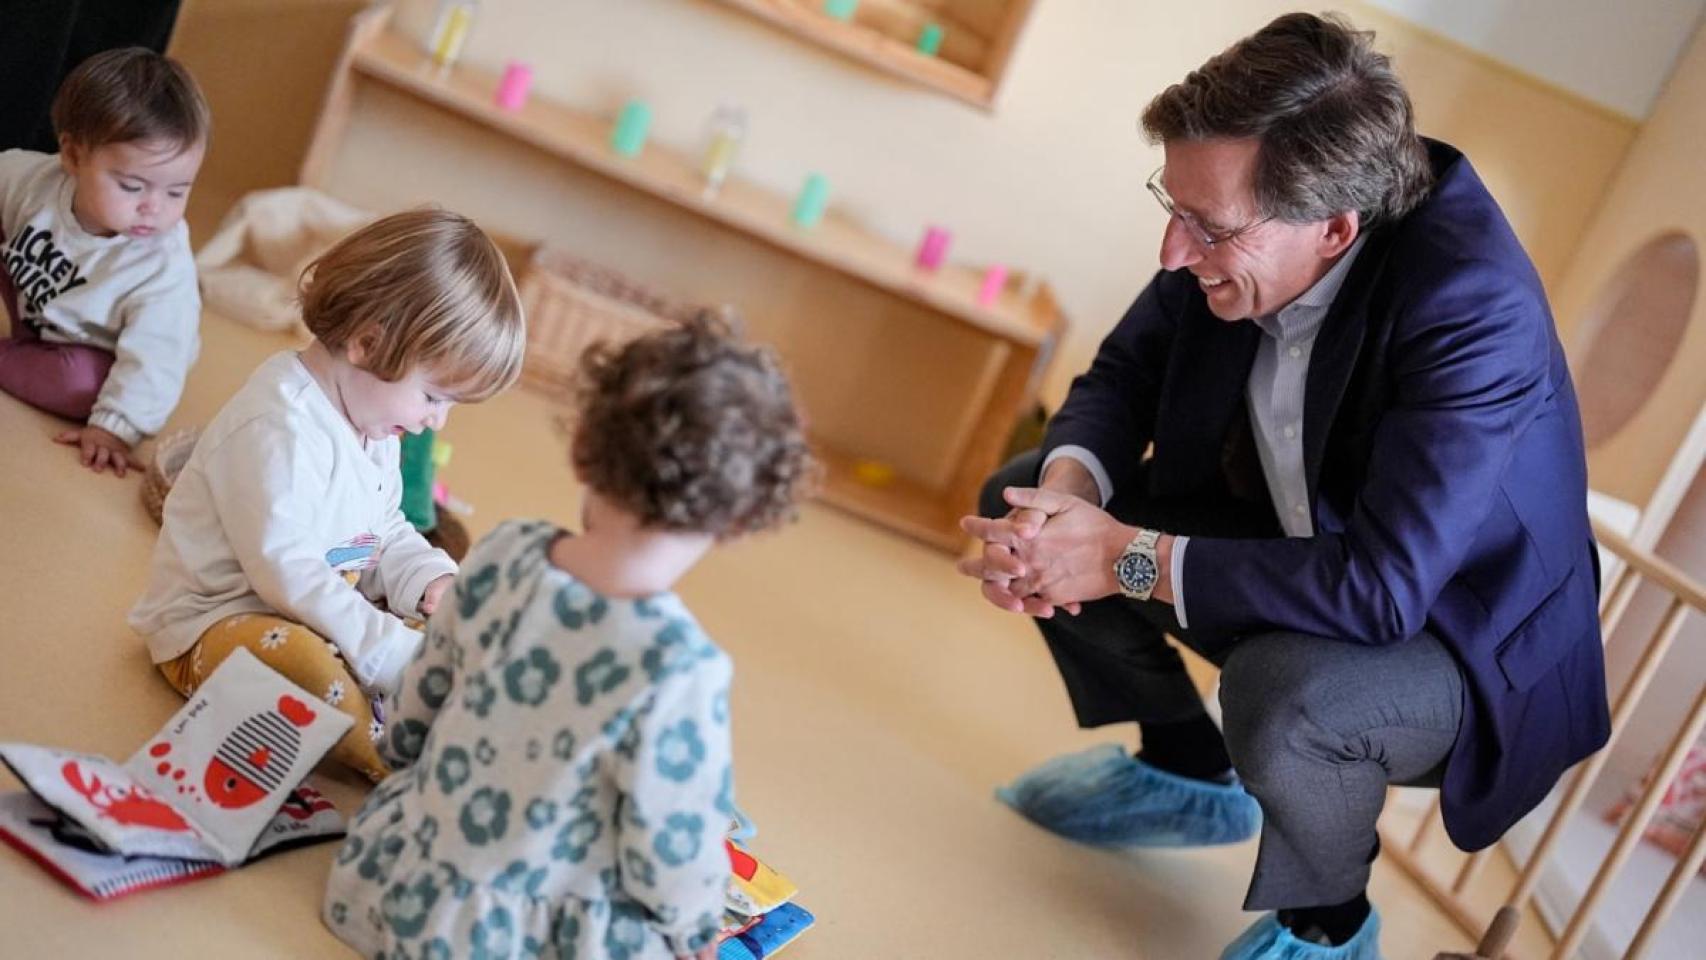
1290,432
1296,351
1298,508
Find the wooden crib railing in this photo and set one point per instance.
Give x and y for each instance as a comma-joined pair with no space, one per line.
1452,892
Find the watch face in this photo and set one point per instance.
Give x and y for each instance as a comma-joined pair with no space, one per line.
1136,572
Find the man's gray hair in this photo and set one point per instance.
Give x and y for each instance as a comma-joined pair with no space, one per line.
1335,125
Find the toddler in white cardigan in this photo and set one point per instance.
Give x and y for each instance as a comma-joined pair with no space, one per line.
283,534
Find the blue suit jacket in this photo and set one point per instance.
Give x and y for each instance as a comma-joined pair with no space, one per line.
1444,457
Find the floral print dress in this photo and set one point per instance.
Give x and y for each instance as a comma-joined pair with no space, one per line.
563,782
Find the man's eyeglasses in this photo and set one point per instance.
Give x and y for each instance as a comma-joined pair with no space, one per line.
1201,234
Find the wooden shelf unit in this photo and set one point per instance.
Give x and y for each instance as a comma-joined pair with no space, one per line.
1021,330
977,42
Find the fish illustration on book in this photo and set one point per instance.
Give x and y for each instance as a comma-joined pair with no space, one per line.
252,760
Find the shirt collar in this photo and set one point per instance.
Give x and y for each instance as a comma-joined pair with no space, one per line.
1326,288
1302,316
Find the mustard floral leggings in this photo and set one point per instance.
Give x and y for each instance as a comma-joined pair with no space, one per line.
308,660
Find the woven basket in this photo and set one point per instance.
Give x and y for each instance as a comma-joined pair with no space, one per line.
171,452
572,304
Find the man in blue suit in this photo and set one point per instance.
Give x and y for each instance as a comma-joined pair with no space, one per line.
1334,447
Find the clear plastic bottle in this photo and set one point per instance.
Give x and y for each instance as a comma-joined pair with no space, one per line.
728,129
455,19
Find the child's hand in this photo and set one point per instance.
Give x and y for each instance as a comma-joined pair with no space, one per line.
434,590
100,449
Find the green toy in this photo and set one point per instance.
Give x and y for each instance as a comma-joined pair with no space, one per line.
418,467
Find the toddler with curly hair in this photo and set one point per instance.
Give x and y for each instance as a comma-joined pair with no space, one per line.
562,741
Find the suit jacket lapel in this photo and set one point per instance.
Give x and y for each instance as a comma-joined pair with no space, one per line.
1209,387
1334,357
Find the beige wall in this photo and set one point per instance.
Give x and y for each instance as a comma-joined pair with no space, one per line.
1050,182
1661,187
264,65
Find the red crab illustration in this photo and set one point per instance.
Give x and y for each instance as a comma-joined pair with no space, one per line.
131,807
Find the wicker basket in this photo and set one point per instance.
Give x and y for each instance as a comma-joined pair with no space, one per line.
171,452
572,304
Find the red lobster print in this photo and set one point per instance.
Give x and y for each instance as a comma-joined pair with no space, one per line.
133,807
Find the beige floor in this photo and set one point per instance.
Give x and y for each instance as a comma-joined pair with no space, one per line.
877,703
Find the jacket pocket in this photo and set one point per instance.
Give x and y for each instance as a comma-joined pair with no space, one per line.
1568,616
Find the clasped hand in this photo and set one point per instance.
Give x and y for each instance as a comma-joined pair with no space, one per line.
1052,551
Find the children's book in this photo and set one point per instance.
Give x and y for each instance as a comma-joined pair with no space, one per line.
70,853
760,916
206,787
771,933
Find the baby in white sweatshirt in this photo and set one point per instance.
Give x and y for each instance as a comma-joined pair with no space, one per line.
99,281
283,533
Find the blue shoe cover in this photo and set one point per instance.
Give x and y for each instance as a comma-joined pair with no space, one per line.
1105,797
1268,939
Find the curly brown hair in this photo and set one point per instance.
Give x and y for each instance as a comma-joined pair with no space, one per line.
688,429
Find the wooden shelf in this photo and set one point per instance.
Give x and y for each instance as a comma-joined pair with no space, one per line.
883,35
1020,330
583,139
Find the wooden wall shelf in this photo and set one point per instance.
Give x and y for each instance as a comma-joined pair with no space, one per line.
1019,332
978,38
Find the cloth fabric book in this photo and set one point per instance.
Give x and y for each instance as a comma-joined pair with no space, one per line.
761,917
207,785
66,850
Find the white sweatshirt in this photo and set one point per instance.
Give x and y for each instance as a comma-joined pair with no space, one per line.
133,296
279,498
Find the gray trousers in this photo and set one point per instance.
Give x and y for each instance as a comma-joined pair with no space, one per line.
1317,728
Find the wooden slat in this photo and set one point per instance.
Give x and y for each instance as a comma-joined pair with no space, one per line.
1588,770
1681,877
1633,828
1687,596
1652,568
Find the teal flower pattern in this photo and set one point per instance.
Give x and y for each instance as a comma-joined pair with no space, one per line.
472,591
425,834
601,674
498,632
637,867
626,935
493,936
550,762
454,769
541,812
680,751
407,906
479,695
577,837
678,841
485,816
529,680
434,687
578,607
381,856
563,744
674,651
408,737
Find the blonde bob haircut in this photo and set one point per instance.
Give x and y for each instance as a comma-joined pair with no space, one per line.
423,288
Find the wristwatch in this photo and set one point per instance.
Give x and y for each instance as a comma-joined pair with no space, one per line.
1137,569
